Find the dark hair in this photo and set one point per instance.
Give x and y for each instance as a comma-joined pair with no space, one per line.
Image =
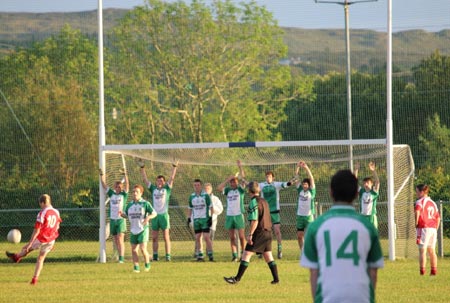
306,180
368,179
344,186
423,187
161,177
198,180
270,173
253,188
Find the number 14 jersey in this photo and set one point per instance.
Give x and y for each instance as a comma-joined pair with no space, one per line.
342,245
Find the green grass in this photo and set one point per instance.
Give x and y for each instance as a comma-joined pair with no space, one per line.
184,280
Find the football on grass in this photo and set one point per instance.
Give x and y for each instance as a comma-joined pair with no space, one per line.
14,236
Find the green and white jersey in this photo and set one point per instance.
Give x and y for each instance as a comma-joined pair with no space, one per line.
368,202
342,245
137,212
200,205
235,200
271,193
160,198
117,203
305,202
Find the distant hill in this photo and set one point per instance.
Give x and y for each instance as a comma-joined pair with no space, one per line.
313,51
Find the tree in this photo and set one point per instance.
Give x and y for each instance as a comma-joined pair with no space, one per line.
197,73
52,142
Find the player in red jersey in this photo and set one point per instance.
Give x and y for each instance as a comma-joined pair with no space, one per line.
44,235
427,221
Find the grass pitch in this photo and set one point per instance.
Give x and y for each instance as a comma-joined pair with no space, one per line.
185,280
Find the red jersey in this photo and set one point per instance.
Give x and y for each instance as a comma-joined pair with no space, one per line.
429,213
48,221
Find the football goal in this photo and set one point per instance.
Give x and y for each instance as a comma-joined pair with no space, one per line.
214,162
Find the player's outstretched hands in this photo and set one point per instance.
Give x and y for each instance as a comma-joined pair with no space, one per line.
175,162
140,162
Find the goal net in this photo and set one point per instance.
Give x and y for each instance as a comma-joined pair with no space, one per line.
214,162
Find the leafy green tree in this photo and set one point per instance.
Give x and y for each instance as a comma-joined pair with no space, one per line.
197,73
51,141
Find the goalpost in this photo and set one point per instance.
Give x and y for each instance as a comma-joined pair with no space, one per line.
214,162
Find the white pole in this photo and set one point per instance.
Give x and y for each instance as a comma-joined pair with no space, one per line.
389,136
101,134
349,84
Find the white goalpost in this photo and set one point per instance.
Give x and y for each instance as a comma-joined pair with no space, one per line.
213,162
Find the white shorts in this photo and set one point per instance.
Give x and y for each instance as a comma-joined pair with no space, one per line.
426,237
43,247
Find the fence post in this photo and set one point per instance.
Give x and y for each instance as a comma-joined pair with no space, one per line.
440,235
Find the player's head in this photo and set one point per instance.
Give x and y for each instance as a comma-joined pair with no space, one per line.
234,182
208,188
422,190
160,180
344,186
253,188
118,186
198,186
368,183
138,190
269,176
306,184
44,200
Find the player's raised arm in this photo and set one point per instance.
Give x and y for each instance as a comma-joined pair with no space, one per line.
308,172
141,164
376,180
174,172
356,169
222,185
241,174
102,179
126,182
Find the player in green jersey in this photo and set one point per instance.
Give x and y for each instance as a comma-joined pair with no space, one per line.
235,193
368,194
117,201
305,204
160,191
200,209
139,212
342,248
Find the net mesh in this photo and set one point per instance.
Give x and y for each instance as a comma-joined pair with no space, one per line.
214,165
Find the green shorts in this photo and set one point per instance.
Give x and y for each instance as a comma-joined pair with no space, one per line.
303,221
142,237
372,219
161,221
201,226
234,222
275,217
117,226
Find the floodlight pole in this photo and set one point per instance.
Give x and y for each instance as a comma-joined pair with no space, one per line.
346,4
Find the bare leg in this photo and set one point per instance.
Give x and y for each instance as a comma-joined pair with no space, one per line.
155,244
300,238
39,264
233,245
166,234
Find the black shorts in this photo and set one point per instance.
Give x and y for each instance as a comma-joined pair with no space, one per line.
262,242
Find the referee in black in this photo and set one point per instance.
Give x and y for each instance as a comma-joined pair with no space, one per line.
259,239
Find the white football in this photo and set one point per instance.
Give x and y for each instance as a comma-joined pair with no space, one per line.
14,236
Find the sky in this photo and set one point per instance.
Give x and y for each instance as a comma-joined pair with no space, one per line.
430,15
